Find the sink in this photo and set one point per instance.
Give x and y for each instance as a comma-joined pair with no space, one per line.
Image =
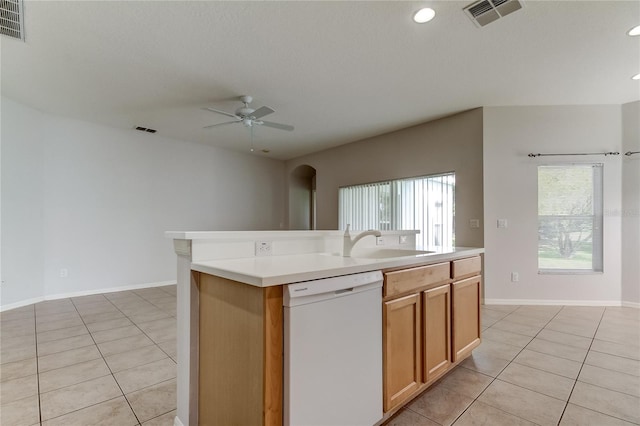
385,253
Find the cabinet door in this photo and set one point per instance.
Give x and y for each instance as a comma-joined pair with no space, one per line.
402,354
437,332
465,301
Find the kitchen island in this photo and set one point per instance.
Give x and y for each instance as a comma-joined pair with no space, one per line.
230,315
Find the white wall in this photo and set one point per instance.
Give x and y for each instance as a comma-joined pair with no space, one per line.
450,144
631,205
510,190
22,203
107,195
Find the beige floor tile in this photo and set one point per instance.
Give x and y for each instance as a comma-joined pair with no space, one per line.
115,412
62,401
62,316
116,333
501,308
440,404
620,312
593,313
612,362
466,382
62,345
18,369
557,349
108,325
485,364
162,335
146,375
56,325
480,414
515,327
17,342
170,347
123,345
507,337
66,358
538,381
102,316
578,327
13,390
497,349
527,320
62,333
543,312
159,324
13,355
26,312
565,339
552,364
154,314
164,420
609,379
617,349
15,328
523,403
153,401
406,417
54,309
134,358
575,415
606,401
73,374
618,334
23,412
489,317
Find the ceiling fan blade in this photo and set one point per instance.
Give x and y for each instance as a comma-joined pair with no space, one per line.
228,114
220,124
262,111
277,125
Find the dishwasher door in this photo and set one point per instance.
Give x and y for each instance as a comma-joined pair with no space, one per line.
333,351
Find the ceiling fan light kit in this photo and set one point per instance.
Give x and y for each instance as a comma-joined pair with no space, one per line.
249,117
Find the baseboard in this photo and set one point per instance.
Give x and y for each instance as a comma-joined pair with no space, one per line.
631,304
83,293
552,302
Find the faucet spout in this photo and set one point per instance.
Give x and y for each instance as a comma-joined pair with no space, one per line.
350,242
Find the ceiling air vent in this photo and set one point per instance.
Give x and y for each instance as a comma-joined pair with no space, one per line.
11,19
484,12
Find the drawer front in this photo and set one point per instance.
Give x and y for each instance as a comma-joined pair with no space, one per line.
406,280
466,267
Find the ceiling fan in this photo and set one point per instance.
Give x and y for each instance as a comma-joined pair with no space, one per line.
248,116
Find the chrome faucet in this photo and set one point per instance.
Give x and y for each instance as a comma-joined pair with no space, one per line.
350,242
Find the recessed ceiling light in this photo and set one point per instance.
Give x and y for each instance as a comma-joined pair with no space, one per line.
424,15
635,31
636,77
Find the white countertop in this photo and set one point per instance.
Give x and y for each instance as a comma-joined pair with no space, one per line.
276,270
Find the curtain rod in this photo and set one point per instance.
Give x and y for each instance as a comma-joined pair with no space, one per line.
582,153
630,153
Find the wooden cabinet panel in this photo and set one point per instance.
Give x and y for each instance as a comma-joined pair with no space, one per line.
402,351
466,267
398,282
465,300
437,332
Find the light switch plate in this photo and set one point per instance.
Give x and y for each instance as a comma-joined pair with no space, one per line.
502,223
474,223
263,248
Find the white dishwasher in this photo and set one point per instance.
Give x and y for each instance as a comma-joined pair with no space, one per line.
333,351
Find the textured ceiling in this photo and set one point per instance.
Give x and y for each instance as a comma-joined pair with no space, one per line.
338,71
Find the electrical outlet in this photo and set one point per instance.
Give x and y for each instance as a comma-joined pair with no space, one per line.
502,223
263,248
402,239
515,277
474,223
64,273
379,241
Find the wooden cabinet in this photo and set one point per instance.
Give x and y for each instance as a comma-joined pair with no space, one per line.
401,353
437,332
466,317
431,323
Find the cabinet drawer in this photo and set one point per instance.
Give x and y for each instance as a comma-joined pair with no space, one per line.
466,267
398,282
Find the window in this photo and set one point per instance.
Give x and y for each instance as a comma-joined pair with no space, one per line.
570,218
424,203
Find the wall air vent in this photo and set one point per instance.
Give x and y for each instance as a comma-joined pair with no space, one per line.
484,12
11,19
145,129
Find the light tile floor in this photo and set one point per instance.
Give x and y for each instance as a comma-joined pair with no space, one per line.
110,359
106,359
541,365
